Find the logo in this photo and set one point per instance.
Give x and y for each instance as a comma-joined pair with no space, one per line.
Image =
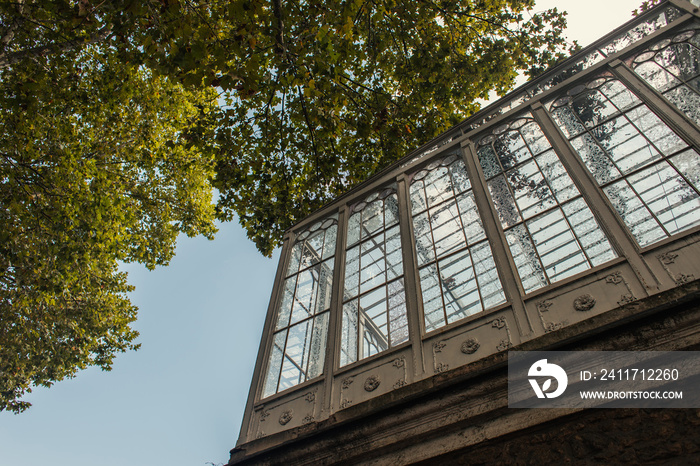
543,369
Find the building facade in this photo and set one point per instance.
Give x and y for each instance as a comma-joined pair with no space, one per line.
564,216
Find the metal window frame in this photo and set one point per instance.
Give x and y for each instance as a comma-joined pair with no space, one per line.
460,138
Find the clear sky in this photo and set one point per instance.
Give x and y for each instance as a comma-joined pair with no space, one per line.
179,400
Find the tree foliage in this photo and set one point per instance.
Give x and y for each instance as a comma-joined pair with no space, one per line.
119,116
330,92
99,163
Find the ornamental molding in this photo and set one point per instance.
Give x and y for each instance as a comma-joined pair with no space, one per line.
372,383
470,346
441,368
499,323
668,258
347,382
584,303
286,416
682,278
504,345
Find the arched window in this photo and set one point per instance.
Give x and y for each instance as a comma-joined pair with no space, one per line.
374,301
458,276
301,321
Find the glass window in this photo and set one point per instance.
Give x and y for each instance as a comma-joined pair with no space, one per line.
301,321
672,67
549,228
458,275
374,301
649,174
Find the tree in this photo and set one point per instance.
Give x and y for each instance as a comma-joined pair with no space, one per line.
99,163
119,116
341,89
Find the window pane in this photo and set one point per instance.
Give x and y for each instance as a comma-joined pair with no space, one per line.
438,186
376,260
274,365
398,319
432,298
318,346
325,286
589,234
451,232
372,263
348,341
668,196
525,257
305,297
298,349
487,276
556,246
372,218
424,239
373,322
285,309
634,213
418,202
459,287
473,228
447,228
626,152
394,259
503,201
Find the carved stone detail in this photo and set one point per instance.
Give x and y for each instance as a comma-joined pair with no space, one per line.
399,362
499,323
347,382
626,299
543,306
584,303
372,383
286,416
504,345
400,383
553,327
470,346
260,435
682,278
614,278
308,419
439,346
264,415
310,397
441,368
668,258
345,403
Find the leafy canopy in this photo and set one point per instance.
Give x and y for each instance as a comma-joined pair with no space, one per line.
97,165
119,117
326,93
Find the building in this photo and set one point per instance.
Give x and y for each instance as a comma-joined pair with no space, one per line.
564,216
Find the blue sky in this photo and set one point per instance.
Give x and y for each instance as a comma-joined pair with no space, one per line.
179,400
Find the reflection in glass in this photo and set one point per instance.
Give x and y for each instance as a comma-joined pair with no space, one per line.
550,230
374,311
458,276
672,66
631,152
301,322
